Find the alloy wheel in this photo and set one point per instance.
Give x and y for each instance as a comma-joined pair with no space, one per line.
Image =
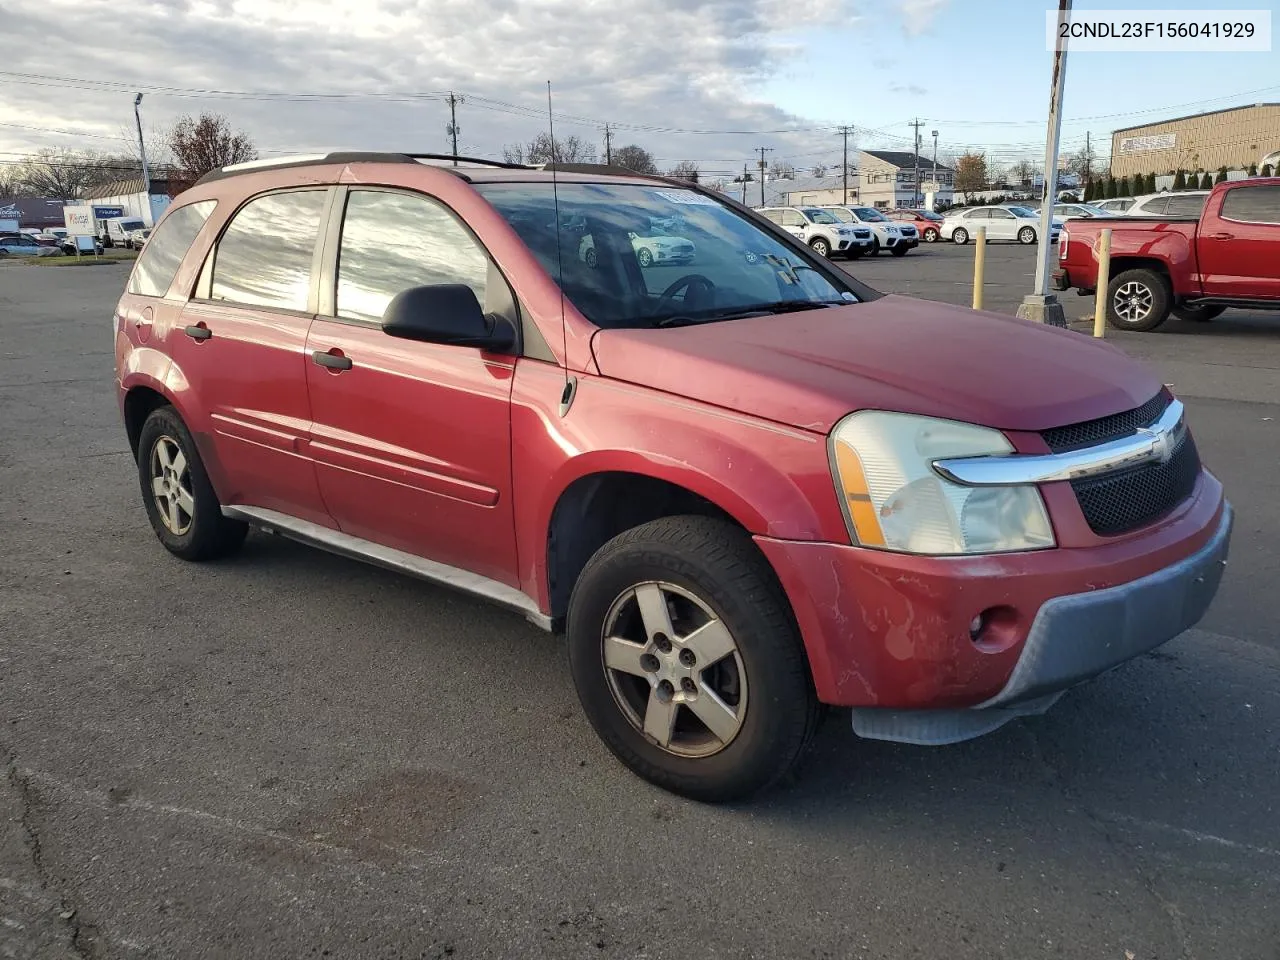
171,486
1133,302
674,669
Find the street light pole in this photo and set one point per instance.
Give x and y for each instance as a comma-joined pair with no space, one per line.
1041,305
142,152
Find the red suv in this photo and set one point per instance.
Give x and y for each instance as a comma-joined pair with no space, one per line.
744,489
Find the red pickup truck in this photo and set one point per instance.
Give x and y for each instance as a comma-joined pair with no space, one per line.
1193,269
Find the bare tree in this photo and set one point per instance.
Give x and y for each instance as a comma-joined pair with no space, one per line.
1023,172
542,149
635,158
207,143
11,184
819,170
65,174
684,170
781,170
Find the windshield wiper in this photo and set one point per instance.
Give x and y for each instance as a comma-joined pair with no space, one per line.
758,309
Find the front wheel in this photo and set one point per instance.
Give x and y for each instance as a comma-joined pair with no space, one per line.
645,257
1137,300
900,251
874,249
961,236
1204,313
1027,235
820,246
930,235
180,502
687,660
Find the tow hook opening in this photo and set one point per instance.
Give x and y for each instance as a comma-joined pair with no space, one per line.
995,629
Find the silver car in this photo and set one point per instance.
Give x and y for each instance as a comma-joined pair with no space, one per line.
22,245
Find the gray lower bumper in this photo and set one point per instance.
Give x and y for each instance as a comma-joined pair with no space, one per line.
1073,638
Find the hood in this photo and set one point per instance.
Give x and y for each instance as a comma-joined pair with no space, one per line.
811,368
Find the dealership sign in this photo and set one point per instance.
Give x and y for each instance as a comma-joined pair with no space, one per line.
1159,141
80,220
11,212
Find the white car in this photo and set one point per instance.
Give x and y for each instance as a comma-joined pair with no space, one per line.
661,250
1003,223
1086,211
897,238
822,230
1183,203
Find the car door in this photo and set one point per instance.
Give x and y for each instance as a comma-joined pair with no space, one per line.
794,223
1238,245
1002,225
411,440
240,344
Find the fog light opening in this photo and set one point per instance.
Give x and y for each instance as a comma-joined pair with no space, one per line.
995,629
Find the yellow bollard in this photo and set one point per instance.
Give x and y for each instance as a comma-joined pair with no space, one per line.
979,266
1104,281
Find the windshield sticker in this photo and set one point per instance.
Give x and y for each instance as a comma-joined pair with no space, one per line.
686,197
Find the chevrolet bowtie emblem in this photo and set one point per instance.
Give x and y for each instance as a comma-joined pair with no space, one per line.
1163,442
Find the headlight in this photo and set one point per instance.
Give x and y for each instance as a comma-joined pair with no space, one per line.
895,500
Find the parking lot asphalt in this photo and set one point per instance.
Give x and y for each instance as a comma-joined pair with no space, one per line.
289,754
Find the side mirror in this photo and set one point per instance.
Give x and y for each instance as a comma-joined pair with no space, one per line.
445,313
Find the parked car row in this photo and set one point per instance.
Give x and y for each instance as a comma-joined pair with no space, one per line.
848,231
23,245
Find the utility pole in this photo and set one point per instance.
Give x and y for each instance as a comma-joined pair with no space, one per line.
936,189
844,131
744,184
453,129
763,151
608,146
915,197
142,153
1042,305
1088,161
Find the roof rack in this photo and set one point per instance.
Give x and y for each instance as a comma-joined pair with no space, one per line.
352,156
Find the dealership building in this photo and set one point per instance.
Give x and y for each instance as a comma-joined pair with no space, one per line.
1234,138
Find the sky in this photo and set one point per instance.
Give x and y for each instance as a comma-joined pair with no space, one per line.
702,80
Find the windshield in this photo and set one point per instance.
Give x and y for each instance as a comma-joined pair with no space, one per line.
819,216
870,214
841,214
719,265
930,215
131,224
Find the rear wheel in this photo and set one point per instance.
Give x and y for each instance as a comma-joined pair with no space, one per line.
1027,235
1138,300
961,236
687,660
1207,312
820,246
180,502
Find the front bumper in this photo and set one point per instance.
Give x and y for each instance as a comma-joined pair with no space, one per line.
889,633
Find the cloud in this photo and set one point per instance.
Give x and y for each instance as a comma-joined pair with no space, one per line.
651,72
918,15
913,89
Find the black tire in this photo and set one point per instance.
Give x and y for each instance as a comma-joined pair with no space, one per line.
930,235
960,235
1149,288
820,246
644,256
716,563
855,253
1205,313
1027,235
209,534
900,251
874,249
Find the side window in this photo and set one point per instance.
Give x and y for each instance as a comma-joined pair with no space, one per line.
1001,215
264,256
160,258
394,241
792,218
977,215
1155,208
1252,204
772,215
1184,206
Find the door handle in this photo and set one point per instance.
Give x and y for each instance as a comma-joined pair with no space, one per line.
1222,236
198,331
334,361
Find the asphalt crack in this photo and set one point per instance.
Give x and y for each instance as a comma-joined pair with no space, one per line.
1102,827
84,935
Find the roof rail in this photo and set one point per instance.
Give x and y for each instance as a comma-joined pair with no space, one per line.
350,156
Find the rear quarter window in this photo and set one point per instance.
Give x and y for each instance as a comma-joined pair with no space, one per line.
1253,204
165,250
